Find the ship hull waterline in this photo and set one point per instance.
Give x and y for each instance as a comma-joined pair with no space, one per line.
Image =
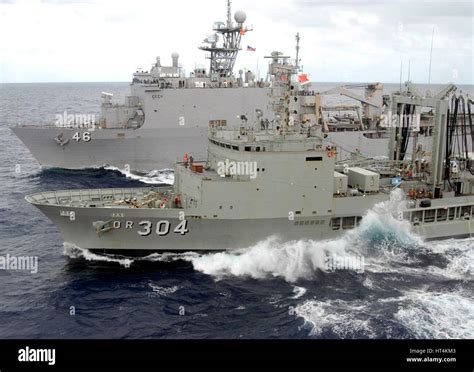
140,232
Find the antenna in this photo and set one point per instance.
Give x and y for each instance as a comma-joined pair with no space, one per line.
229,14
258,69
401,72
409,65
297,49
431,56
223,56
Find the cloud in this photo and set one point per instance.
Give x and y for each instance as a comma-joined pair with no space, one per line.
363,40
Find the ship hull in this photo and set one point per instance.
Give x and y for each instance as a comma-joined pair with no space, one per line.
141,231
139,150
202,235
147,149
176,121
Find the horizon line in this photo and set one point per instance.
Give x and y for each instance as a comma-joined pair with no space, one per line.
312,82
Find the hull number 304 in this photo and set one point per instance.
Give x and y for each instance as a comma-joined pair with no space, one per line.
162,228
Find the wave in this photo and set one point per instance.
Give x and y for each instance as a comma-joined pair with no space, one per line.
154,177
299,292
162,291
380,237
337,318
381,244
437,315
73,251
415,314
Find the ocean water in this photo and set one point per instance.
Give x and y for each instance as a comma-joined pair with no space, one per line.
408,288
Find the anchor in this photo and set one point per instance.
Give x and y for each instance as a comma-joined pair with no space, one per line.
103,227
61,141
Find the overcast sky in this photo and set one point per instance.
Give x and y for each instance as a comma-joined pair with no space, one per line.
341,40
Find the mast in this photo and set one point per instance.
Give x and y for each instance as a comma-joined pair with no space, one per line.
401,73
229,14
431,56
297,50
222,57
281,69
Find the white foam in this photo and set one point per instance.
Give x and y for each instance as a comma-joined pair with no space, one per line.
298,291
163,176
460,254
163,291
437,315
368,283
169,257
73,251
301,259
345,319
270,258
430,315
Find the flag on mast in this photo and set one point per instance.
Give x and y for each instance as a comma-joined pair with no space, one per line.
250,49
303,79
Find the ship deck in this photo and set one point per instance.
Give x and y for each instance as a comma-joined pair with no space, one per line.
116,198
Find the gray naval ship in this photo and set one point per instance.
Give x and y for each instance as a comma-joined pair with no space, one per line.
278,178
165,113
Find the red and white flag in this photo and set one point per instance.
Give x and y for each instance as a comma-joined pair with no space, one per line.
303,79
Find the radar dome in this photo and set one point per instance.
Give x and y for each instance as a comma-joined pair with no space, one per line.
240,16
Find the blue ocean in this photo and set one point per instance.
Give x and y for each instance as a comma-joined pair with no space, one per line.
408,288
